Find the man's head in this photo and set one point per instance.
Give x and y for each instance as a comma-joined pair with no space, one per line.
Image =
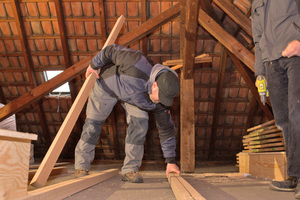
165,88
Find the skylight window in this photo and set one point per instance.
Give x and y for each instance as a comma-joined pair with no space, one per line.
62,89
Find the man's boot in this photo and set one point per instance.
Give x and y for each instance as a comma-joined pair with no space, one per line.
132,177
288,185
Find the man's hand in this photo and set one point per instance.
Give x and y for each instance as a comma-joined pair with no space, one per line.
172,168
292,49
90,70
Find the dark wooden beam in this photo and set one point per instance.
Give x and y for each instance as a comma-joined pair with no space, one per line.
217,103
236,15
192,7
253,106
40,91
102,20
29,66
64,43
251,84
143,10
226,39
187,112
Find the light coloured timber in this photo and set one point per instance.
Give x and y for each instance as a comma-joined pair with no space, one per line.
182,189
271,122
55,171
275,130
272,165
64,189
276,144
280,139
14,159
279,134
35,166
61,137
272,149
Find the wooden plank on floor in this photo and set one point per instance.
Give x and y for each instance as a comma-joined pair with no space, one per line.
182,189
35,166
64,189
55,171
61,137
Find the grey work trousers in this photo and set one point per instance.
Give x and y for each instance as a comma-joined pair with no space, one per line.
100,105
283,78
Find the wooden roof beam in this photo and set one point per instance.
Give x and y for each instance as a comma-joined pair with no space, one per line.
251,84
232,44
217,103
236,15
102,20
29,66
64,43
143,9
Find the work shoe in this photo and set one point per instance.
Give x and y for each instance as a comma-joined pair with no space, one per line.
81,172
132,177
288,185
297,191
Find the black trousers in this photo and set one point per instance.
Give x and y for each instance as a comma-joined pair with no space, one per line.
283,79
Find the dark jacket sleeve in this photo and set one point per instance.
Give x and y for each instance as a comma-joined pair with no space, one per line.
257,8
166,130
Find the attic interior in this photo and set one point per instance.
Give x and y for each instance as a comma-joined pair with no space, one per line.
218,101
39,36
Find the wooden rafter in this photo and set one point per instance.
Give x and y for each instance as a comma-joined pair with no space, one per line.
78,68
64,43
143,9
232,44
251,84
251,114
236,15
102,20
217,103
29,67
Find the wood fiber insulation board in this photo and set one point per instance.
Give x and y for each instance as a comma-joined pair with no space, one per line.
182,189
64,189
14,159
61,137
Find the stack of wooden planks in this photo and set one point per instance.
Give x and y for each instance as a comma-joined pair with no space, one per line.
263,138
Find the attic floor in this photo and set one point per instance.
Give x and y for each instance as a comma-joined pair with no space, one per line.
212,181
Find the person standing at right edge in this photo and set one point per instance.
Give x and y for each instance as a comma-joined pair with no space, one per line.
276,29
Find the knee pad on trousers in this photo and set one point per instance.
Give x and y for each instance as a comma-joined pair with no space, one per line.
91,131
137,130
